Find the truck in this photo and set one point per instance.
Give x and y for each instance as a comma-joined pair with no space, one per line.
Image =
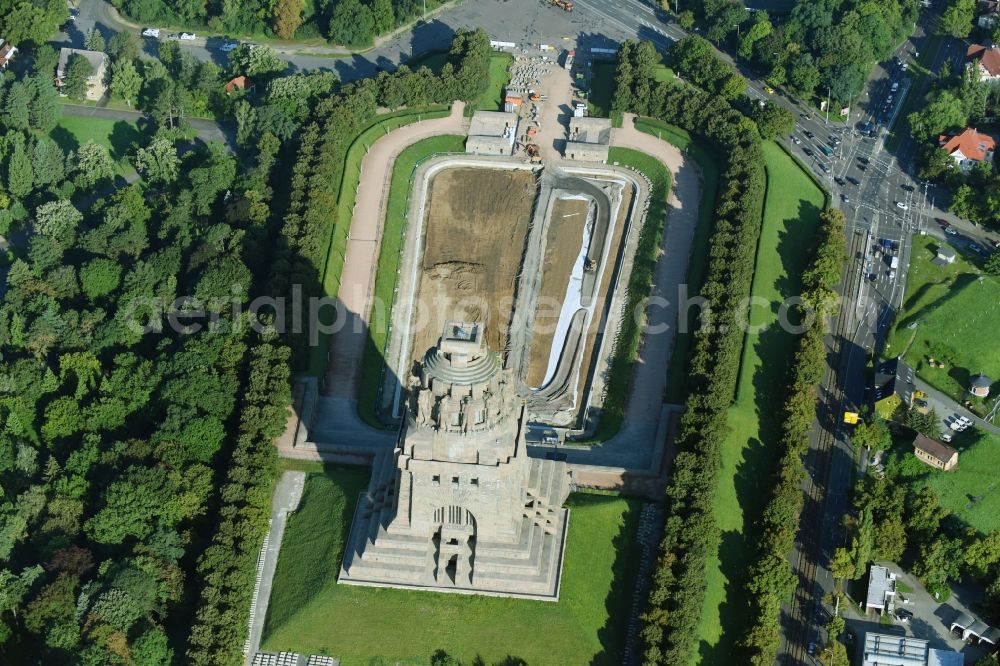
894,262
570,56
825,149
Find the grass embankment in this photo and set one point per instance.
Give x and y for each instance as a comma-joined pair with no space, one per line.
117,136
697,263
393,236
380,126
311,614
491,99
790,221
954,313
639,283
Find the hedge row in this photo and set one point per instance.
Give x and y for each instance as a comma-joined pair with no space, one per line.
691,535
227,569
770,580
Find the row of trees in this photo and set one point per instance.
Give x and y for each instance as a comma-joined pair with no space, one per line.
818,46
770,580
354,23
312,213
691,534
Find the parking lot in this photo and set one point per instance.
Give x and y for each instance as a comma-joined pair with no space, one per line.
931,620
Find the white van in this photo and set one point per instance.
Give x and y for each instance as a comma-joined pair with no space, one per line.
151,32
894,263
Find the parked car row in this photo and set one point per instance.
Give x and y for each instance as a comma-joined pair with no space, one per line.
154,33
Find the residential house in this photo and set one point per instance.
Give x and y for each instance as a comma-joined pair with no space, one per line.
893,387
239,83
881,589
934,453
986,59
98,66
968,148
979,386
7,52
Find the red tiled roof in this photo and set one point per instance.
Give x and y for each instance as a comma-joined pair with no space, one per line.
973,145
239,83
989,57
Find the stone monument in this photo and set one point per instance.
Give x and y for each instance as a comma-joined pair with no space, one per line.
459,506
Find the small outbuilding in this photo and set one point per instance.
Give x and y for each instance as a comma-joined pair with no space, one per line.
7,52
492,133
945,255
934,453
238,83
979,386
589,139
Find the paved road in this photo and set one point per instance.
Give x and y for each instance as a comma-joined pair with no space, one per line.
207,130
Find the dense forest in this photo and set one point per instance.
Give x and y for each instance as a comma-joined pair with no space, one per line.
820,46
353,23
139,395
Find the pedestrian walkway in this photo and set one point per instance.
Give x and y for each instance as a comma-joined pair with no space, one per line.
287,495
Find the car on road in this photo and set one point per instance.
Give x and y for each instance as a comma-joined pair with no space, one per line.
853,181
903,615
840,181
797,141
808,134
825,149
151,32
895,86
226,47
902,206
188,36
946,437
863,160
825,168
769,90
808,152
944,224
845,198
811,648
978,249
950,231
892,274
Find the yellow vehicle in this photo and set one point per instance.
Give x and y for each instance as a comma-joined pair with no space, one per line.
769,90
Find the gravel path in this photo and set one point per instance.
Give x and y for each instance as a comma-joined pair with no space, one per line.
357,281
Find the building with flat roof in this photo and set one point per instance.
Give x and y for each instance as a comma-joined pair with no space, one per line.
589,139
492,133
886,650
881,589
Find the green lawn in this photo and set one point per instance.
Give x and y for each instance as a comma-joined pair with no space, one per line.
709,166
949,313
117,136
309,613
662,73
379,126
790,222
393,236
492,98
602,87
972,490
